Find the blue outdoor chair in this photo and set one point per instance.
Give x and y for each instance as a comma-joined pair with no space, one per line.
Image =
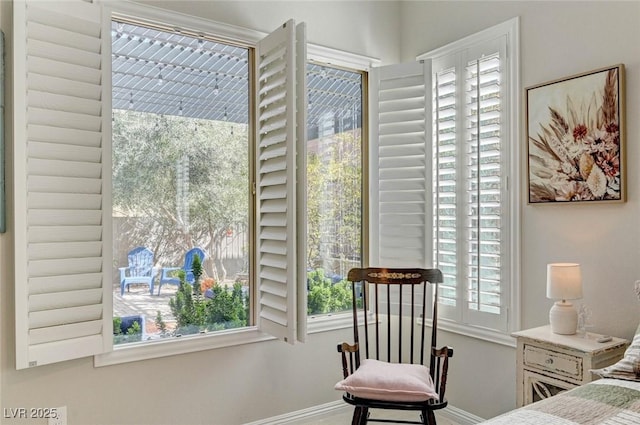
139,270
168,277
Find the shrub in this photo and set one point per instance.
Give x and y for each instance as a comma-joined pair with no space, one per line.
227,307
127,329
324,296
220,309
197,273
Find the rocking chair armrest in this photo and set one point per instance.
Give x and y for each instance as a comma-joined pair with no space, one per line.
442,352
346,348
350,366
442,369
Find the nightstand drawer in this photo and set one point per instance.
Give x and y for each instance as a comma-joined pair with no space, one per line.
553,361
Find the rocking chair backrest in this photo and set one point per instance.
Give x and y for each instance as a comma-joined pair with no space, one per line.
376,284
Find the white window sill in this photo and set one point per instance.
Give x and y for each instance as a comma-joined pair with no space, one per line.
330,322
316,324
192,343
489,335
180,345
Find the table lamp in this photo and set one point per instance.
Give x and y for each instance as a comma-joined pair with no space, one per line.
564,282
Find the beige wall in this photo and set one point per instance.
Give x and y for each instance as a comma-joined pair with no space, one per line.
557,39
245,383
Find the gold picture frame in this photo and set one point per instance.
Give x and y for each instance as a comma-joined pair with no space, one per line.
575,138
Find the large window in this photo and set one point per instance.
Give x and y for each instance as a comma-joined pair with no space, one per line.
157,181
474,209
180,143
182,178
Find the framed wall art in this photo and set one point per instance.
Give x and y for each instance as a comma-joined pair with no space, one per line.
575,138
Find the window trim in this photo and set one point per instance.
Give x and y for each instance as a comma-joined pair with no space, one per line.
511,30
249,38
146,350
359,64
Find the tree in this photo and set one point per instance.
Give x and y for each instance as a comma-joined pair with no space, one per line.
334,202
179,182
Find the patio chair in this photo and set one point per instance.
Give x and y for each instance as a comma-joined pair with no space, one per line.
168,274
139,270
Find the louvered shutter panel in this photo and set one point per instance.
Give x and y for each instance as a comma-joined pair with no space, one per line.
445,175
277,201
400,165
483,185
469,204
60,287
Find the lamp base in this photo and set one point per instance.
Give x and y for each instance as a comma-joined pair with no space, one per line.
563,318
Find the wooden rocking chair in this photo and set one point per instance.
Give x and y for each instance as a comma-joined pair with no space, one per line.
393,373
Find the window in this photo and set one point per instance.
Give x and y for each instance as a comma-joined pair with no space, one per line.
181,155
153,153
474,158
181,149
181,179
335,169
444,161
63,177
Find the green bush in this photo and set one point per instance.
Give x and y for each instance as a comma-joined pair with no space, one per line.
132,334
227,308
197,273
324,296
221,309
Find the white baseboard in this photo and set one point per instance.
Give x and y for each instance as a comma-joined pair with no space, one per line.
452,413
304,414
459,416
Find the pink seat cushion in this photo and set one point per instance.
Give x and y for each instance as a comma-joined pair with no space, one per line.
378,380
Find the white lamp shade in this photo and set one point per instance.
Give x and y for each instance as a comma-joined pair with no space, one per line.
564,281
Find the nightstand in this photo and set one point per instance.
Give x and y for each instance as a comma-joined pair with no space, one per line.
548,364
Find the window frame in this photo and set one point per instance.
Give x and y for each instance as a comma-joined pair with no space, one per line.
249,38
461,324
334,58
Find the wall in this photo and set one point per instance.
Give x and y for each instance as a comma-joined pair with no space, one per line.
557,39
225,386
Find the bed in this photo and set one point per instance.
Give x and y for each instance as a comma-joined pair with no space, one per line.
605,401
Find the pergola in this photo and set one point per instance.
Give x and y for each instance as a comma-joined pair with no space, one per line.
172,73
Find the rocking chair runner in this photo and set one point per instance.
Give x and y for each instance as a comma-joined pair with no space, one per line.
394,375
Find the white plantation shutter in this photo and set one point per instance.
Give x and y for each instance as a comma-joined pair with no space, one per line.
484,183
445,232
60,288
470,197
400,162
279,126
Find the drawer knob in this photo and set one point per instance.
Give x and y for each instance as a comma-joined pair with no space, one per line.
549,361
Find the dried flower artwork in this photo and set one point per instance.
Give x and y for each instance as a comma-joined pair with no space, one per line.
574,129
